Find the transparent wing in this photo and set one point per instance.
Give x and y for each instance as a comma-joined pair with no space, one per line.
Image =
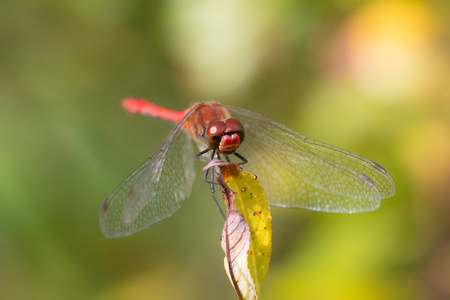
298,171
153,191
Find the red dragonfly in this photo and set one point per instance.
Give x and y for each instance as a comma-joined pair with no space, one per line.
295,170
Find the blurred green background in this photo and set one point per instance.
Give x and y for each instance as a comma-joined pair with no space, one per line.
368,76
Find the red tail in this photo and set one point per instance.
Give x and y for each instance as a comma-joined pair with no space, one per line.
143,107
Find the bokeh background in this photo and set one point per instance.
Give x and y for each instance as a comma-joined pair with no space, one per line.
368,76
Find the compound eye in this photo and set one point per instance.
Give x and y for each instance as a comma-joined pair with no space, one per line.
235,126
214,133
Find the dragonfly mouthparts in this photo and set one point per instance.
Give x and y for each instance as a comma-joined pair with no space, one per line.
229,143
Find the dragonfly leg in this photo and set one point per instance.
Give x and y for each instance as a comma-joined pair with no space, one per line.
205,175
244,160
211,173
211,180
213,191
198,155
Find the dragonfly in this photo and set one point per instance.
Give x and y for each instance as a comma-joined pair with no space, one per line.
296,171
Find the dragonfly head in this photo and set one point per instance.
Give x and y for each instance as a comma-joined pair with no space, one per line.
225,136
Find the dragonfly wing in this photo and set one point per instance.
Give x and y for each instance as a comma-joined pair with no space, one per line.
298,171
153,191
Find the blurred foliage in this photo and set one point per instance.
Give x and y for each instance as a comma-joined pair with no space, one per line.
367,76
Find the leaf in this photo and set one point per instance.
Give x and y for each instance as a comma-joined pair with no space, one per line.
247,234
235,242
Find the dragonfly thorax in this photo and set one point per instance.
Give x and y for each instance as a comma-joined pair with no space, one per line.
225,136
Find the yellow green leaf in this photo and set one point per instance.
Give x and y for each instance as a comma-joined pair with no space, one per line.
251,203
